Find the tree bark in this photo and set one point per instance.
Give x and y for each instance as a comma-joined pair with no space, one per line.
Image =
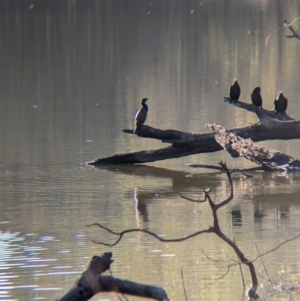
92,282
269,159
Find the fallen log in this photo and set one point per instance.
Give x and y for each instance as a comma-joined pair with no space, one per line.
269,159
92,282
186,144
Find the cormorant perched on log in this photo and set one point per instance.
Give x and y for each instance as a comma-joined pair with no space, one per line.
140,116
280,103
234,91
256,97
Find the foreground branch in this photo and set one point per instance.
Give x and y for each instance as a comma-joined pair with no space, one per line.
92,282
214,229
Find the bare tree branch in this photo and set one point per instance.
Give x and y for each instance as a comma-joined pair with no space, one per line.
120,234
183,286
215,229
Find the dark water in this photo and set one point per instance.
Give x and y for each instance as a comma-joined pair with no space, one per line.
72,75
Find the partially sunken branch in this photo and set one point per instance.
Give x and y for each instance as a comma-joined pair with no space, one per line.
214,229
92,282
269,159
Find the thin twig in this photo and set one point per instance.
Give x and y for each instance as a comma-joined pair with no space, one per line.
183,286
260,257
236,170
213,260
192,200
228,173
120,234
277,247
269,278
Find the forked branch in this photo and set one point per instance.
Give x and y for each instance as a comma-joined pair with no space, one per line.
215,229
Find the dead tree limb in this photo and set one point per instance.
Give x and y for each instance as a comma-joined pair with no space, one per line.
92,282
269,159
186,144
294,33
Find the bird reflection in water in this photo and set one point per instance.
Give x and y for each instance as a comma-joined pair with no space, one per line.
258,213
140,207
236,216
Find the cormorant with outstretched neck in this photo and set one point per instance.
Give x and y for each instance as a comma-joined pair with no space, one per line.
140,116
280,103
234,91
256,97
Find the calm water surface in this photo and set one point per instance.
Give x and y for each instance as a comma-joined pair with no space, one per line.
72,75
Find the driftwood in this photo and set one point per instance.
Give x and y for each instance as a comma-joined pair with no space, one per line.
271,126
92,282
294,33
238,147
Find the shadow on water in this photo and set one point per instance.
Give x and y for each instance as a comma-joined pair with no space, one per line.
180,179
265,191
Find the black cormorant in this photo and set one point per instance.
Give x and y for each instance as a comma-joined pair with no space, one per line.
256,97
234,91
280,103
140,116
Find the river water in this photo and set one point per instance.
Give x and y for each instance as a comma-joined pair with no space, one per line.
72,75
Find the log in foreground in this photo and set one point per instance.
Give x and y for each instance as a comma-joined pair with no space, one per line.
92,282
238,147
186,144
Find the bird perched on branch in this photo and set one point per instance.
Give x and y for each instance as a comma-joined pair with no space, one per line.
280,103
140,116
234,91
256,97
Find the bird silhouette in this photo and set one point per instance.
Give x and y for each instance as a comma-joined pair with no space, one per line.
280,103
256,97
140,116
234,91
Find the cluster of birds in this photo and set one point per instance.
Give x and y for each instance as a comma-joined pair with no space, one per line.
280,102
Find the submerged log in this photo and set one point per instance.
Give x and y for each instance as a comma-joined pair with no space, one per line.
92,282
186,144
269,159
